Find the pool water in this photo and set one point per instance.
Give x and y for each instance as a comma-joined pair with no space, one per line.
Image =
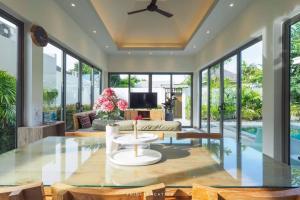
295,132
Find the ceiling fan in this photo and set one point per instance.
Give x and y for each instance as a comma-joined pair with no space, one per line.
152,7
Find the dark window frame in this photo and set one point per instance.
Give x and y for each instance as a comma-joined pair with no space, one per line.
171,83
20,71
237,52
286,87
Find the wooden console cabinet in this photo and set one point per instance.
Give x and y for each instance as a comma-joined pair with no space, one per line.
147,114
28,135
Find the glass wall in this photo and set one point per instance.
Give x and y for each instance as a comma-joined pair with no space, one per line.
68,87
204,99
294,90
161,84
52,83
9,65
235,113
164,84
97,84
215,91
86,86
139,83
230,97
72,90
251,99
120,84
182,89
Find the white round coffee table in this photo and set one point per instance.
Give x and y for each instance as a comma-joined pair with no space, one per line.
135,156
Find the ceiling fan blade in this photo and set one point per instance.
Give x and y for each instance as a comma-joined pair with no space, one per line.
164,12
136,11
153,2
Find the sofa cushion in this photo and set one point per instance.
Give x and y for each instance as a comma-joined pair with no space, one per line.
158,125
125,125
84,121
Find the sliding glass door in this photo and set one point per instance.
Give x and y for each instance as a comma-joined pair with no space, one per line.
292,95
180,85
235,96
86,86
10,64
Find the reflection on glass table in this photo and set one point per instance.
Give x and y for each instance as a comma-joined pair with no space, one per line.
82,161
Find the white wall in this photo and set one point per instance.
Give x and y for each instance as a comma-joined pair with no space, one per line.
261,17
150,63
62,29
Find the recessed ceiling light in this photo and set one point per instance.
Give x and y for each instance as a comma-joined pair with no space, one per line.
73,4
150,53
208,32
194,46
94,31
171,53
231,4
129,53
106,46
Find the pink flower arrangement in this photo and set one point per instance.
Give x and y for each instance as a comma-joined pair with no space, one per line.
109,106
122,104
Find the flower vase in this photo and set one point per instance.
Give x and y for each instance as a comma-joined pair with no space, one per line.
111,132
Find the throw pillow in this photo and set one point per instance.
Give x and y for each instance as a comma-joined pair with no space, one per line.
92,116
85,121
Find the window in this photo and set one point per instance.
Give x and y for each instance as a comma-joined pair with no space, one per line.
251,102
161,83
120,83
11,34
139,83
292,93
70,84
97,84
182,89
164,84
235,95
86,87
52,83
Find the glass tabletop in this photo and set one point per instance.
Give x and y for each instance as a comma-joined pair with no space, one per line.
83,162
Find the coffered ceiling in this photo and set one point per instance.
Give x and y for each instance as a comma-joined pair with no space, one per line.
151,30
193,25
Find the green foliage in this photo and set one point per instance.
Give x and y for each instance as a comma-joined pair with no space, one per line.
118,82
49,96
188,107
7,111
7,99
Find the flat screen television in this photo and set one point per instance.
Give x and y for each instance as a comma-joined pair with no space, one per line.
143,100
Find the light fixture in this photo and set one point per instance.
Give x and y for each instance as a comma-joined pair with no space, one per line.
194,46
150,53
231,4
106,46
129,53
73,4
94,31
208,32
171,53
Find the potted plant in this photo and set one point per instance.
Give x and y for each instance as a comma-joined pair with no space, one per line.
168,106
108,108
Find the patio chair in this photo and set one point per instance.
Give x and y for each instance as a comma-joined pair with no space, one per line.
208,193
33,191
66,192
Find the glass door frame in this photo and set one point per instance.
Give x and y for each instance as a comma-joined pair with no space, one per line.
286,143
20,71
237,53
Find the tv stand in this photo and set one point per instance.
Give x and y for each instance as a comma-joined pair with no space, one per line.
147,114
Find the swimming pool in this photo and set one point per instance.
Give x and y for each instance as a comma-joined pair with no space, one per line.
295,131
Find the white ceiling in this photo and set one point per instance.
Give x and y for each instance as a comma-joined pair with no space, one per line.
86,16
